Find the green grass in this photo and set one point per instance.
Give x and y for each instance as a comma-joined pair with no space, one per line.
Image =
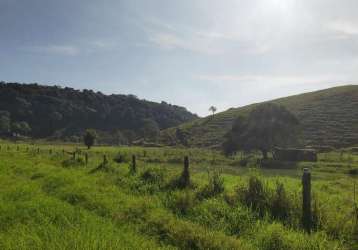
47,205
328,117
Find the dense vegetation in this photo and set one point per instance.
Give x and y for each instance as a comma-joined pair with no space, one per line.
327,118
50,200
64,113
267,126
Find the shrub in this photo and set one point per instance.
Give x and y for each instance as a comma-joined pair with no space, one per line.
272,238
280,203
181,202
214,187
255,195
153,176
218,215
353,171
121,158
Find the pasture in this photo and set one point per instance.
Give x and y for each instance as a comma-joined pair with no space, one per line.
51,199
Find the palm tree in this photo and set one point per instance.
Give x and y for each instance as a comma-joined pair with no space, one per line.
213,109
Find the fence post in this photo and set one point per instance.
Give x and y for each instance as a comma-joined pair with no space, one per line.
38,150
134,166
86,158
186,175
306,200
354,192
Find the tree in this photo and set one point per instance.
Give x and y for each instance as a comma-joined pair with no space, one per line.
89,138
5,122
120,138
129,135
266,127
20,128
150,130
213,109
182,137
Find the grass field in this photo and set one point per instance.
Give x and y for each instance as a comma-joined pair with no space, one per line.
50,201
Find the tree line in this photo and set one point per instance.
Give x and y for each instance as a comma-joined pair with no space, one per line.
65,113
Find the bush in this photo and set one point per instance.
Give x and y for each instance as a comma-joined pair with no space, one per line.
218,215
272,238
214,187
121,158
181,202
280,203
353,171
255,195
153,176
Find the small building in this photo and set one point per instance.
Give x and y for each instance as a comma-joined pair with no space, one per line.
293,154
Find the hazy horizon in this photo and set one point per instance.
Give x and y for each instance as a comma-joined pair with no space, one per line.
189,53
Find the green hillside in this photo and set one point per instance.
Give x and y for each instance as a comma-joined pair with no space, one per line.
328,117
64,113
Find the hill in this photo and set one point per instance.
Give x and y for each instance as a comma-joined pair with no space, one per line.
64,113
328,117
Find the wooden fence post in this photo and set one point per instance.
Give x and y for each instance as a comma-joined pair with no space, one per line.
134,166
186,174
86,158
306,200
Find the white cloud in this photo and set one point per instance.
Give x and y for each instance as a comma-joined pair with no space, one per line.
344,27
194,44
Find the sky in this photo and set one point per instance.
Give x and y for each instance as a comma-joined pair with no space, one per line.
193,53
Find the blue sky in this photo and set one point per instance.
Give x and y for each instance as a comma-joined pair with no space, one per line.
194,53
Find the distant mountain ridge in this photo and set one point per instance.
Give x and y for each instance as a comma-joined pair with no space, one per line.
328,117
57,112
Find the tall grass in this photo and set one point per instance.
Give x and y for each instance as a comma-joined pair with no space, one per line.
45,204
